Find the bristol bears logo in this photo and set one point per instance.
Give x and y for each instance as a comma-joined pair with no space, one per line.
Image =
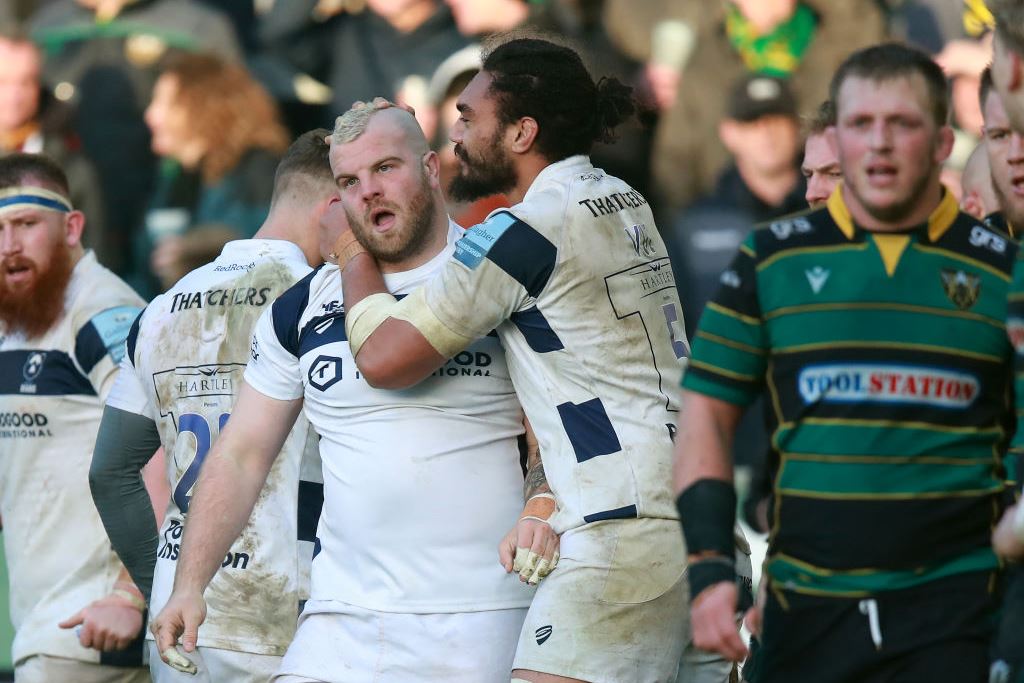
33,366
324,372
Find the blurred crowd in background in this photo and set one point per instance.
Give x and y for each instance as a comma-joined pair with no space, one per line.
170,115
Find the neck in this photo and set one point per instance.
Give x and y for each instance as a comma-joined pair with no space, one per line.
930,198
527,170
291,226
770,187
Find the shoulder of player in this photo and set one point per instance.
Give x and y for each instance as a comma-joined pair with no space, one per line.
800,230
289,309
969,237
100,294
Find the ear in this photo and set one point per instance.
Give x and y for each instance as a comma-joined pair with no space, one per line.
944,144
432,167
74,225
1016,72
971,205
526,130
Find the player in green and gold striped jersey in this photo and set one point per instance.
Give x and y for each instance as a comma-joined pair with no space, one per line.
876,329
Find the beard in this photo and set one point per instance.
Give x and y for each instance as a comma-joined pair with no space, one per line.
489,174
402,241
33,307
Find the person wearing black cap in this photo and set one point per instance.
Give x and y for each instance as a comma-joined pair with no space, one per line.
762,132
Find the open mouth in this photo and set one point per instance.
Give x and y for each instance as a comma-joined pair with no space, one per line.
17,271
881,174
1018,185
382,219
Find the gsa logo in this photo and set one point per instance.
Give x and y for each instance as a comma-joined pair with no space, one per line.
33,366
324,372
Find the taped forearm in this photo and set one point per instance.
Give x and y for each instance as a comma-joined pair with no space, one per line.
367,315
124,445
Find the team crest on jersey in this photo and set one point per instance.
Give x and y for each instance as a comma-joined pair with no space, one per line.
324,372
961,287
33,366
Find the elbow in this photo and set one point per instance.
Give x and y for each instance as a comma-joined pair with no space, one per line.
380,374
99,479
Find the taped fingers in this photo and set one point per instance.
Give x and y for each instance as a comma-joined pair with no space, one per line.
178,661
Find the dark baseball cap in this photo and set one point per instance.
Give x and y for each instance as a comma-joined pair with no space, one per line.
758,95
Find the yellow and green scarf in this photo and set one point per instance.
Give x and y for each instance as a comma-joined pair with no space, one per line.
778,53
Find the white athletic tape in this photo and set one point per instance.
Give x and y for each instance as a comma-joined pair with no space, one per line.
549,496
414,310
178,661
533,567
365,317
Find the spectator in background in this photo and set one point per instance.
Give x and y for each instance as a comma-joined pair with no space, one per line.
390,50
978,196
32,122
799,40
220,136
102,57
820,166
762,132
1005,148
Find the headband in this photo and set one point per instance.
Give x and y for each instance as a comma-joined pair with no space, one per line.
29,196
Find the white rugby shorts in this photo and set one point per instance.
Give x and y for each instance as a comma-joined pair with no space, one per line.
354,645
215,665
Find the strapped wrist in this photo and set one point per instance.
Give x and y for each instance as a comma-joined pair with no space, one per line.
708,571
539,506
347,248
707,509
132,598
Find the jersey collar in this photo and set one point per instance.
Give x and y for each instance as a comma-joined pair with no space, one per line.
938,222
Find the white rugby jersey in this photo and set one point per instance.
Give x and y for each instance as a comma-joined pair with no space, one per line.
578,284
186,356
419,485
51,399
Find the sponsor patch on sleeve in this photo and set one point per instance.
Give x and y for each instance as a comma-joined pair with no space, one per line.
472,249
112,326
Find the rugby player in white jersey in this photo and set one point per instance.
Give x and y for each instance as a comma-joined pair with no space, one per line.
185,357
63,321
576,281
419,485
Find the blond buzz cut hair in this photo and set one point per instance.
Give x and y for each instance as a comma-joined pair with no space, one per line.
352,123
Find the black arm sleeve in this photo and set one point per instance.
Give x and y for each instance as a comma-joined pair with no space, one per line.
124,445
